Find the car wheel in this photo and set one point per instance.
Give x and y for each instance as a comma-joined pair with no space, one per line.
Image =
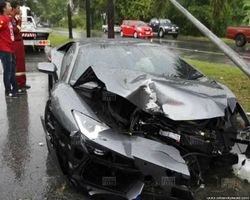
175,36
135,35
161,33
240,40
49,126
61,148
122,35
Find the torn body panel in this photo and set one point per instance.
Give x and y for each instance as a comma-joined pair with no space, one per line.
88,145
176,98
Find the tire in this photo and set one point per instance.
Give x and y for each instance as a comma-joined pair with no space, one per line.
161,33
122,34
240,40
135,35
49,125
55,135
61,155
175,36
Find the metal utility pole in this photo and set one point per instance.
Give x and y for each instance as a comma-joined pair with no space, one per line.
88,25
238,61
111,19
70,21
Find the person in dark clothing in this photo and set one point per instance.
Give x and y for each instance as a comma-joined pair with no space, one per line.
7,55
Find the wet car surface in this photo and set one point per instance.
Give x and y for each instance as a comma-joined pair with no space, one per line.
27,172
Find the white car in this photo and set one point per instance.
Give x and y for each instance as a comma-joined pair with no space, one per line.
117,28
32,34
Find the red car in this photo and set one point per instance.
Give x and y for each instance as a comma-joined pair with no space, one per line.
241,35
136,29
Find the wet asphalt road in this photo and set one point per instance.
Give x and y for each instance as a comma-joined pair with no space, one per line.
27,172
201,50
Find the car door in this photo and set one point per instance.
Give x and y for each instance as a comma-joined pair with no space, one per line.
123,27
132,27
126,28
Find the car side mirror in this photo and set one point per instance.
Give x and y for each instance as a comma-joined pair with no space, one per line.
50,69
47,68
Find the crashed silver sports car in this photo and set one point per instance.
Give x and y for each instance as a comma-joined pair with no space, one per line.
126,118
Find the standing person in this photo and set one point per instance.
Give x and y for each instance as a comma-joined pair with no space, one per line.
19,47
7,55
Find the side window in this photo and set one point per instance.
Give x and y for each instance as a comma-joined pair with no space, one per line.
67,60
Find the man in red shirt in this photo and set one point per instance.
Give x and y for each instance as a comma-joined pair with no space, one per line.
19,47
7,56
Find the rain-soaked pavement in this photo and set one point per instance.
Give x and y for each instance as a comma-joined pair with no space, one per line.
201,50
27,172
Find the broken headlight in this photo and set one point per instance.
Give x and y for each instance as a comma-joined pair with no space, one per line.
88,126
90,129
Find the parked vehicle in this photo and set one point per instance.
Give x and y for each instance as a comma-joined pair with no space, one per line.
164,27
32,34
157,125
136,29
117,28
241,35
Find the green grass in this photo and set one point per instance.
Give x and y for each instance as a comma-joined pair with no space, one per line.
229,75
56,39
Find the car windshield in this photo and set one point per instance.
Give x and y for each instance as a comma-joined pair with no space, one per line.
165,21
140,23
147,58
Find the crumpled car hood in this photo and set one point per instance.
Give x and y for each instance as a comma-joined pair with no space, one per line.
178,99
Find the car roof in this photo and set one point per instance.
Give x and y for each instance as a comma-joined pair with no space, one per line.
132,20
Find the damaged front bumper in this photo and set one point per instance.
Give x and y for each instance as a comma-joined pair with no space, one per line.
109,165
117,166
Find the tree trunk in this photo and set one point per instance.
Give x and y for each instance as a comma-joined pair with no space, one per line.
70,21
88,25
111,20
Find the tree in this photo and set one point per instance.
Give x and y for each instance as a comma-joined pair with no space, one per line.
246,7
111,19
88,27
70,20
215,14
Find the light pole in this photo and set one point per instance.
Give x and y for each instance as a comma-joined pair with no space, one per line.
238,61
